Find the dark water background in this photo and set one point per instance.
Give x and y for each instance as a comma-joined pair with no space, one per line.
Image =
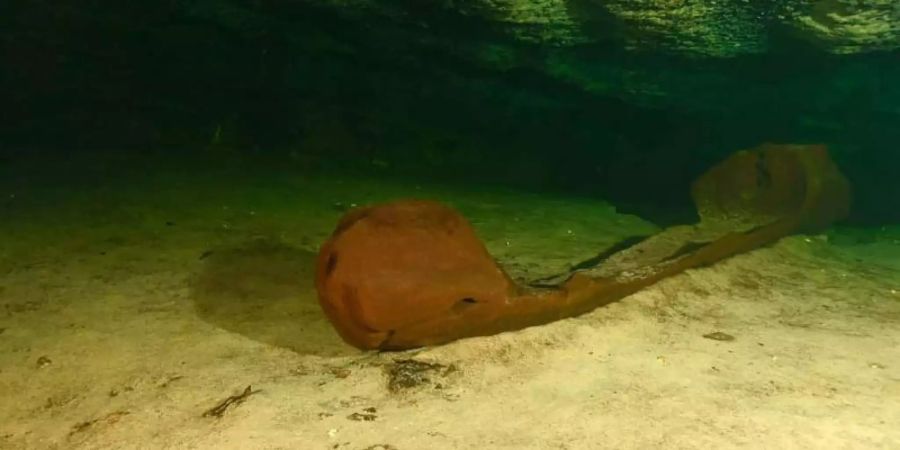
434,91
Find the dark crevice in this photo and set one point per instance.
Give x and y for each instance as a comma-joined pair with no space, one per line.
331,264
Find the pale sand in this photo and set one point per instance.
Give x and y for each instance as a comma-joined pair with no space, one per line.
120,330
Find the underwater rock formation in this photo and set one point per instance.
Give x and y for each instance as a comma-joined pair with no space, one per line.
721,28
413,273
446,87
845,26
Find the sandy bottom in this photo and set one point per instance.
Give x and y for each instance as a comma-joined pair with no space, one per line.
133,302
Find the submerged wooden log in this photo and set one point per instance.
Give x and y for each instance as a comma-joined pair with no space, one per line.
413,273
